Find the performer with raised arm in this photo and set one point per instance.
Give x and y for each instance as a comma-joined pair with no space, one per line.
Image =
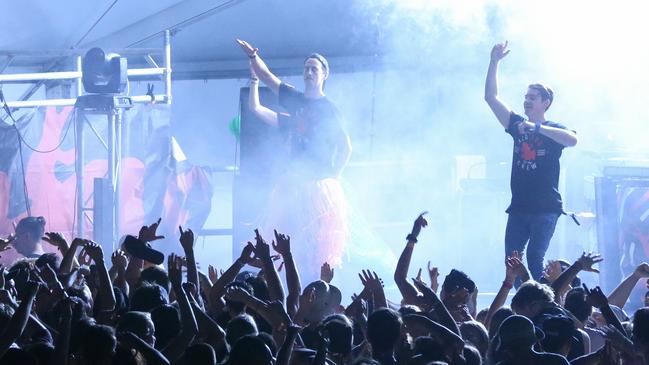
538,143
308,201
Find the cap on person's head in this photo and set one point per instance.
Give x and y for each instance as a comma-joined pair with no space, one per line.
558,330
518,330
619,313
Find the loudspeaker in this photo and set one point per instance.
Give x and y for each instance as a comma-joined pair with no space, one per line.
262,157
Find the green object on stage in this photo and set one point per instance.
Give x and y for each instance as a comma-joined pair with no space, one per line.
235,126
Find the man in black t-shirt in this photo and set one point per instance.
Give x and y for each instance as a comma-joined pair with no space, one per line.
308,201
538,143
312,123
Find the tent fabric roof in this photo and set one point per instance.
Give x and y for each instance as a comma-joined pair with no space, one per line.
203,32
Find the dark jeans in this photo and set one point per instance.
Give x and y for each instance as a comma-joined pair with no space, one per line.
537,229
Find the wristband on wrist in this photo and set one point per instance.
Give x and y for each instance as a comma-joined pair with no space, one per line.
411,238
507,284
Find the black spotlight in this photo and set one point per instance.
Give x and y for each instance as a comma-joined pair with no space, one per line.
104,73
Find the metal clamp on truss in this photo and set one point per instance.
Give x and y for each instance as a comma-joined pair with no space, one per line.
163,72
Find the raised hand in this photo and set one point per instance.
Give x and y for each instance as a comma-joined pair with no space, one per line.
499,51
94,251
262,249
510,269
514,267
282,244
236,294
84,258
595,297
552,270
370,280
174,270
587,260
326,273
212,274
148,233
418,278
119,260
249,50
425,290
517,255
191,290
519,266
78,242
186,239
433,274
56,239
358,310
247,254
2,276
258,263
419,223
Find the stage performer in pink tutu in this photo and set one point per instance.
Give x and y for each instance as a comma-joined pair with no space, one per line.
307,202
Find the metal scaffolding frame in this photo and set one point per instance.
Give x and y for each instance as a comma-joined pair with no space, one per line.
114,141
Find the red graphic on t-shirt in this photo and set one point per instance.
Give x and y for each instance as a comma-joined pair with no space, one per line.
527,153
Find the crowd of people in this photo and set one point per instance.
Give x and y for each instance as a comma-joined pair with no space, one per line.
84,306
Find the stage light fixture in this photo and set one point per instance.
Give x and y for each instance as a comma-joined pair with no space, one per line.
103,73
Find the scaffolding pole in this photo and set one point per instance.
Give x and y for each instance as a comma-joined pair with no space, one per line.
114,144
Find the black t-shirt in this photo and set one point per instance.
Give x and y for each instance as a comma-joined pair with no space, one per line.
535,170
314,128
